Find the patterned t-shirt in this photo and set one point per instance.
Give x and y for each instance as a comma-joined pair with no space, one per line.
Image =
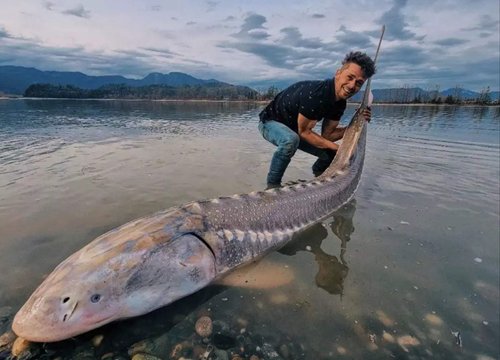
313,99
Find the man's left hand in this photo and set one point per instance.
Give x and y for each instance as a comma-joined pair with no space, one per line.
367,113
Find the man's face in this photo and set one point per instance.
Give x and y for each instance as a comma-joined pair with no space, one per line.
348,80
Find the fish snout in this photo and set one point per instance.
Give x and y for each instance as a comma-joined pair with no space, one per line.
45,318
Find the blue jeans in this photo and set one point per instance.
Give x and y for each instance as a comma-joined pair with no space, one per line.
288,141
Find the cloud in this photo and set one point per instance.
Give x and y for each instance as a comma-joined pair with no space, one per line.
450,42
252,28
403,56
48,5
78,11
32,54
212,5
4,33
162,52
398,26
353,39
156,8
318,16
486,23
293,37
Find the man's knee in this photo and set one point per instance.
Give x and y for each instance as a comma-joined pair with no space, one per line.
289,145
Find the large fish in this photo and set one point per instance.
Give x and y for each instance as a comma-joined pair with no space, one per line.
153,261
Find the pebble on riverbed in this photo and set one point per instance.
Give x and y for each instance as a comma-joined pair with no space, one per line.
7,339
203,326
22,348
97,340
144,357
407,341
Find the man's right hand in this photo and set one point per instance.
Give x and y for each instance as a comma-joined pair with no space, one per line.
367,113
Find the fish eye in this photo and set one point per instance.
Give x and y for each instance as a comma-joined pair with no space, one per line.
95,298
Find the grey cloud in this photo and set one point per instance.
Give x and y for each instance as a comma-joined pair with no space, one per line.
48,5
450,42
310,56
133,53
4,33
156,8
309,62
275,55
78,11
257,34
404,55
230,18
162,52
353,39
395,20
211,5
252,28
444,75
486,23
31,54
293,37
318,16
190,23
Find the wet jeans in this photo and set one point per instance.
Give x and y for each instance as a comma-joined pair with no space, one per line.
288,142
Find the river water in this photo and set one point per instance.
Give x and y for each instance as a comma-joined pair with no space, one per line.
411,262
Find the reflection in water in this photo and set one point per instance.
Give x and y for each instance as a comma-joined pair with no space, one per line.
332,271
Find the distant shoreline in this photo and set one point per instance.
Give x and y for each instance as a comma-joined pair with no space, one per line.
228,101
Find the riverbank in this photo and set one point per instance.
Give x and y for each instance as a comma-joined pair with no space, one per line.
207,101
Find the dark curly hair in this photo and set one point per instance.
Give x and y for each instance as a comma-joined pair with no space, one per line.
363,60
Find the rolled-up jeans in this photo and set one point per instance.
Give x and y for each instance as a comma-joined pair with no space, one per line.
288,141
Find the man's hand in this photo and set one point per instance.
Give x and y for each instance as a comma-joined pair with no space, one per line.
367,113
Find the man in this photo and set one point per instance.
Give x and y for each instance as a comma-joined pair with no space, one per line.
288,121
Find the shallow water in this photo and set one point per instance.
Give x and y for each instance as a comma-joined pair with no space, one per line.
415,254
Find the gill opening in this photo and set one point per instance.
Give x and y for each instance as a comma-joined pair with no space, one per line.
204,242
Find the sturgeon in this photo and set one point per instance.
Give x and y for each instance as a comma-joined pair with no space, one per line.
151,262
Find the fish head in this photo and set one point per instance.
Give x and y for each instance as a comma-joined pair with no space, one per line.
70,301
107,281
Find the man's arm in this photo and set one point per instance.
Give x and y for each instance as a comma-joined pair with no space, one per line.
331,131
305,129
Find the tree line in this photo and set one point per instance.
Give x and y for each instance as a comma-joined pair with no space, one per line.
222,91
457,96
216,91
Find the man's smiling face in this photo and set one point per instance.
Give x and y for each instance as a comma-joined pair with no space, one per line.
348,81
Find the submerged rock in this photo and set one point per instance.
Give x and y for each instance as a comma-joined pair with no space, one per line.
141,347
7,339
97,340
145,357
204,326
269,352
23,349
406,341
224,341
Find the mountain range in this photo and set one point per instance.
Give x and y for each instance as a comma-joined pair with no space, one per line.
16,79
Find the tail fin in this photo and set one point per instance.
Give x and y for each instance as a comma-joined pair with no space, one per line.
368,96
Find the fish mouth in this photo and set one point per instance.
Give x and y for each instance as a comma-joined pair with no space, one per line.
56,327
37,332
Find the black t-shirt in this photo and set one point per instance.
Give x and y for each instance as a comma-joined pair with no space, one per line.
313,99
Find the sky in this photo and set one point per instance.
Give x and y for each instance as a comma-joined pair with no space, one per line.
428,43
